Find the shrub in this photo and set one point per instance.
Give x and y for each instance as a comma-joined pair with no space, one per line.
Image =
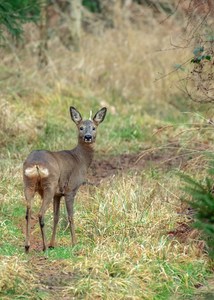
202,202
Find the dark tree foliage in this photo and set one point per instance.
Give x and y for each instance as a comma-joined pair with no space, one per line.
14,13
202,202
92,5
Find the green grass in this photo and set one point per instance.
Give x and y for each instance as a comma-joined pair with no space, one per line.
120,252
63,252
179,279
124,250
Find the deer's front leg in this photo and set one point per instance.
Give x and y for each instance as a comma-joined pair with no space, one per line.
56,209
69,201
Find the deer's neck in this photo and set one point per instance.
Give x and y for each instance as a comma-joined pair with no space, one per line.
84,152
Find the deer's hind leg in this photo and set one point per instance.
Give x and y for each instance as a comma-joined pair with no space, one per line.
47,197
29,192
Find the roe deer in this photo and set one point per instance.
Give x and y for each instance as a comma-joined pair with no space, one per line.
57,174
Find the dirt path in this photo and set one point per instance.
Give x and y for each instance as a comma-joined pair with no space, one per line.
52,277
134,163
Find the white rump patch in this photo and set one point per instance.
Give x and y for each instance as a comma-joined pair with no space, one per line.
31,172
36,171
43,172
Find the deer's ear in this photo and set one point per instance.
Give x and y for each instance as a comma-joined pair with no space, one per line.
100,116
75,115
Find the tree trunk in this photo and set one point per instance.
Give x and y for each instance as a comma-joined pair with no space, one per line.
43,28
126,6
75,23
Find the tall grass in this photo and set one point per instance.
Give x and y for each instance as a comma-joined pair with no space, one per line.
124,247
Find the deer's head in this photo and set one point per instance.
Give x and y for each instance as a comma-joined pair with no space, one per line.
87,128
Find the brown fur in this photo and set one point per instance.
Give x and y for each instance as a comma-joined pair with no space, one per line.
57,174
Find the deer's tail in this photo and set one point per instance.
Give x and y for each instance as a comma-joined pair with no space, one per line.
36,171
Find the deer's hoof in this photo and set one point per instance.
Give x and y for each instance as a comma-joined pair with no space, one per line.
44,248
27,249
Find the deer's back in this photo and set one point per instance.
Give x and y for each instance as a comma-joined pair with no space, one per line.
62,170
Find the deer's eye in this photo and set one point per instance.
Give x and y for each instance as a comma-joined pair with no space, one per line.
94,128
81,128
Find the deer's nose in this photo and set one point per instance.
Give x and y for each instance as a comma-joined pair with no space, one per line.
88,137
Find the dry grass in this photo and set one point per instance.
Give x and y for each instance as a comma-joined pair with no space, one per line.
124,248
125,68
16,277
